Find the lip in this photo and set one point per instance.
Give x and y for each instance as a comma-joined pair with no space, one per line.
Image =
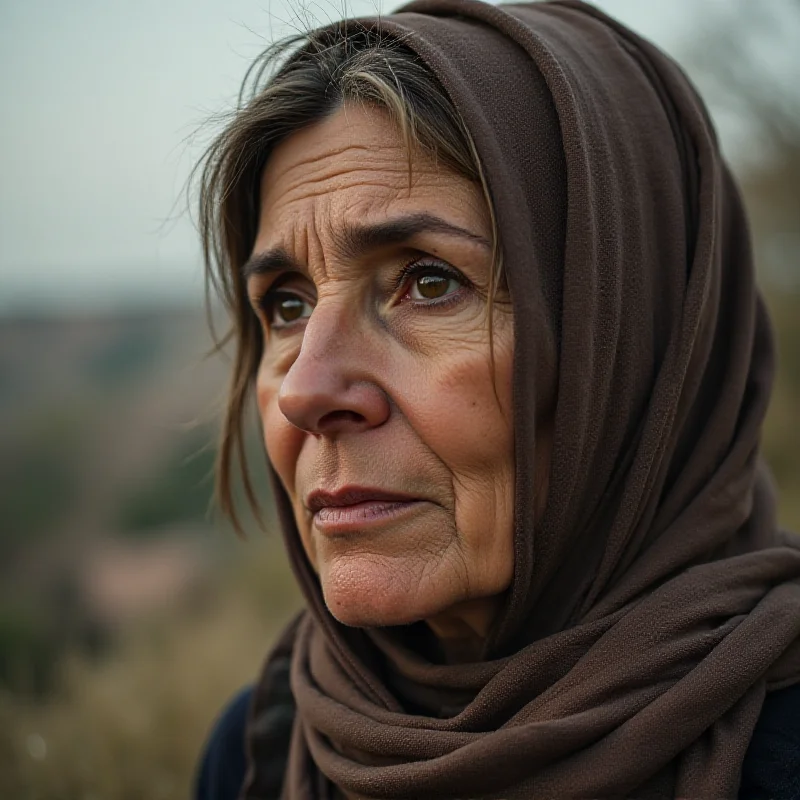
353,508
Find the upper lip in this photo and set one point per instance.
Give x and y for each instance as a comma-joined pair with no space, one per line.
351,495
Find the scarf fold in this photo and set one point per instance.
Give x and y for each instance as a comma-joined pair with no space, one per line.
655,602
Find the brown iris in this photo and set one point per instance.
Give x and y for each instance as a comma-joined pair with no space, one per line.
288,308
431,287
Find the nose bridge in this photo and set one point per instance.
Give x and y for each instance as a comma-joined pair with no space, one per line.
332,385
328,330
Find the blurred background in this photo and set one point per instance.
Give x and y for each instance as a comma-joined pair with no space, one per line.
129,612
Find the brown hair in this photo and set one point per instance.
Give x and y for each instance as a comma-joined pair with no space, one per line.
294,83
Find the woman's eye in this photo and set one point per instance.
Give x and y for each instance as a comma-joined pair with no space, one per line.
284,308
432,286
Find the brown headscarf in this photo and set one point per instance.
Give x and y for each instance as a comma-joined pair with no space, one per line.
655,601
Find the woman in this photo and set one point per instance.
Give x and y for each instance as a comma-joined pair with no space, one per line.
493,292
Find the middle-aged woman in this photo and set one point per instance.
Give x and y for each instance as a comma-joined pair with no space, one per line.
493,293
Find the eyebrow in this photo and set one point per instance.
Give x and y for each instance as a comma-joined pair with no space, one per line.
355,240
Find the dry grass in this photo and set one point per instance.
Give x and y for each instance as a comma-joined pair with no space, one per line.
131,727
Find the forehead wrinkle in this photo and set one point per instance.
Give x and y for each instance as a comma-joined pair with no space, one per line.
355,214
304,245
312,224
316,249
311,160
326,229
335,162
307,186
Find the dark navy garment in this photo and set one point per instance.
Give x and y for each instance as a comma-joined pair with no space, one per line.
223,766
771,769
771,766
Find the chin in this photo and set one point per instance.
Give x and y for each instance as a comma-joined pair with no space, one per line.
372,591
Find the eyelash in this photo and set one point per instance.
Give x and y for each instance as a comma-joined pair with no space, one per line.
410,271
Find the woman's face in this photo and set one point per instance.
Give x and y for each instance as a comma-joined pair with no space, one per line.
385,417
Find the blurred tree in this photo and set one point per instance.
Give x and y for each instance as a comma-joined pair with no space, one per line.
179,493
746,63
37,483
127,355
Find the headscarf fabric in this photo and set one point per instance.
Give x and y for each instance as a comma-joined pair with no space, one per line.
655,601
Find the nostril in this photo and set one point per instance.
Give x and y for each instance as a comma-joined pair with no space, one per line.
342,419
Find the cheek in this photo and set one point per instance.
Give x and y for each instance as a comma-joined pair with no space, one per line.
281,439
283,443
463,411
464,416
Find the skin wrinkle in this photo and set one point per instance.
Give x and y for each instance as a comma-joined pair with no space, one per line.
302,189
373,390
316,169
389,159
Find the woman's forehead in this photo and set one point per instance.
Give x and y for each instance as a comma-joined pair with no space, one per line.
353,168
344,148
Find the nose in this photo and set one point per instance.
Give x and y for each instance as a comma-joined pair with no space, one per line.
330,388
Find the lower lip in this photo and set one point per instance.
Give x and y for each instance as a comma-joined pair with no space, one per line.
333,520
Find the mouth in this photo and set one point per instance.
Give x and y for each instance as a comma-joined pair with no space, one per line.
354,508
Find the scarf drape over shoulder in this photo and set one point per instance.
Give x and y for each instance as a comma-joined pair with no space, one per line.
655,601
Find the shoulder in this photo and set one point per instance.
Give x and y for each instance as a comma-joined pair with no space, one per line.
223,764
771,768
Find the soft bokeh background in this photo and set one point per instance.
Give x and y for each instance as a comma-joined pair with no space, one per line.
128,612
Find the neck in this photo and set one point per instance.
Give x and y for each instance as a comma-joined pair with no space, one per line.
462,630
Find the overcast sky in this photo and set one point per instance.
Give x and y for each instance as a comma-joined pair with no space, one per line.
99,101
